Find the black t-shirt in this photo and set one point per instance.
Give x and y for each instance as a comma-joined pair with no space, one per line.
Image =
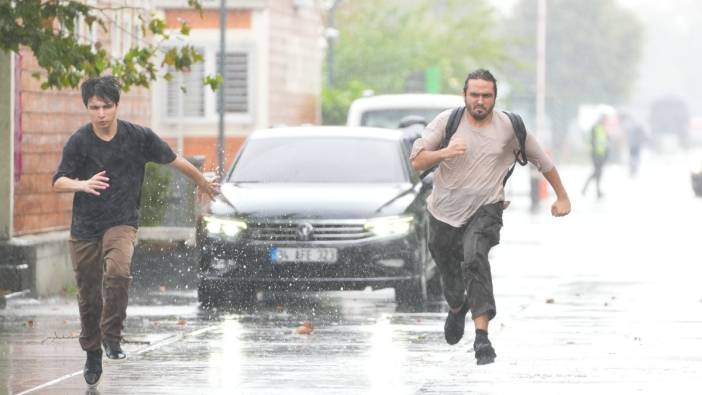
123,158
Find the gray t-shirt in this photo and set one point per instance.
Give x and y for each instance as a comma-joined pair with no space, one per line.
464,183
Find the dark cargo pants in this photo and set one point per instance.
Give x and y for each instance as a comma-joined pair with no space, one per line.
461,254
102,270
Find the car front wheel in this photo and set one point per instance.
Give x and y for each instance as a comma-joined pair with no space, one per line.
212,296
411,294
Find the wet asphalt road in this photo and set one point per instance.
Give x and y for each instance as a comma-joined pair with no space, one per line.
606,300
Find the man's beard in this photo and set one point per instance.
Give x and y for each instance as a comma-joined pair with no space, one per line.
480,115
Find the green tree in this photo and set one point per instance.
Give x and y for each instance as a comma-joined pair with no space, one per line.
154,194
50,29
593,50
382,44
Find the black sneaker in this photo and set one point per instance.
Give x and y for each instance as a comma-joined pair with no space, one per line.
455,325
93,368
484,353
113,350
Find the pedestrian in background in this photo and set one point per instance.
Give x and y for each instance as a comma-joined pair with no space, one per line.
467,202
103,163
599,150
636,138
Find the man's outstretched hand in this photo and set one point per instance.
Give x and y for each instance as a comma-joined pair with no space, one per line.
96,183
210,188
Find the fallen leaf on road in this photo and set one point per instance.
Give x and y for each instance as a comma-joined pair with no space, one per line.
30,323
305,329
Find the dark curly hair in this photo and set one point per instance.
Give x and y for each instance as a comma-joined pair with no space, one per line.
480,74
105,87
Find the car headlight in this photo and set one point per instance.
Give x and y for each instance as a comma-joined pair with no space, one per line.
390,226
222,227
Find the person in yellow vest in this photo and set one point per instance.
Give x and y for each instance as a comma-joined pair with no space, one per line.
599,146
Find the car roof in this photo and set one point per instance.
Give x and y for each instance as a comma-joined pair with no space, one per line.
408,100
405,101
328,131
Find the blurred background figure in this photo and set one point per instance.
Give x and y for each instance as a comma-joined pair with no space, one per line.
599,147
636,138
669,117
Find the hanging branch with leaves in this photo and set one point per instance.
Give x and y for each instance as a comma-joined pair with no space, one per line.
50,29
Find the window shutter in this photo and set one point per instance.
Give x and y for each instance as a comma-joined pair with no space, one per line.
236,82
194,95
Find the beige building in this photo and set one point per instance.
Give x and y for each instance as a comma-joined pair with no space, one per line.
272,74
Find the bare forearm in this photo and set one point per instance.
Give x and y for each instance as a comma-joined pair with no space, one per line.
554,179
65,184
427,159
190,171
93,185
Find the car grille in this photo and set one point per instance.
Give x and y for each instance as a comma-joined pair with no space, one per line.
317,230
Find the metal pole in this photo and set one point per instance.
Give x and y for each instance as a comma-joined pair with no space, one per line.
9,66
220,93
330,43
534,178
181,106
541,67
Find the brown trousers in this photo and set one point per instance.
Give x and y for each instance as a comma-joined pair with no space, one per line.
102,269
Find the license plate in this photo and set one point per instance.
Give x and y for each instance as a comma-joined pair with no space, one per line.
326,255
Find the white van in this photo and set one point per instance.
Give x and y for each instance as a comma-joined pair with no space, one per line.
387,111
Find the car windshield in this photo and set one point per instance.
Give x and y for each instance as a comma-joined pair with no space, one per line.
390,118
320,160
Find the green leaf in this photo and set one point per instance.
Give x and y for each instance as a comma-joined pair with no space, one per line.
214,82
171,57
184,28
157,26
89,20
100,65
196,5
48,28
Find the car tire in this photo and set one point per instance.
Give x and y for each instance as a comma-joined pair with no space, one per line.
697,183
241,296
411,294
206,296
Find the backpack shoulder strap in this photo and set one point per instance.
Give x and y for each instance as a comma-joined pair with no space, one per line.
452,125
521,133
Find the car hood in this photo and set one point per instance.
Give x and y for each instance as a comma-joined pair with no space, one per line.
306,201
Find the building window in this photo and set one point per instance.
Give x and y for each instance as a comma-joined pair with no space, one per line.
193,99
236,82
199,101
116,34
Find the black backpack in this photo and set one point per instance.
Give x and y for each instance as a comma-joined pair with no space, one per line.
519,131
